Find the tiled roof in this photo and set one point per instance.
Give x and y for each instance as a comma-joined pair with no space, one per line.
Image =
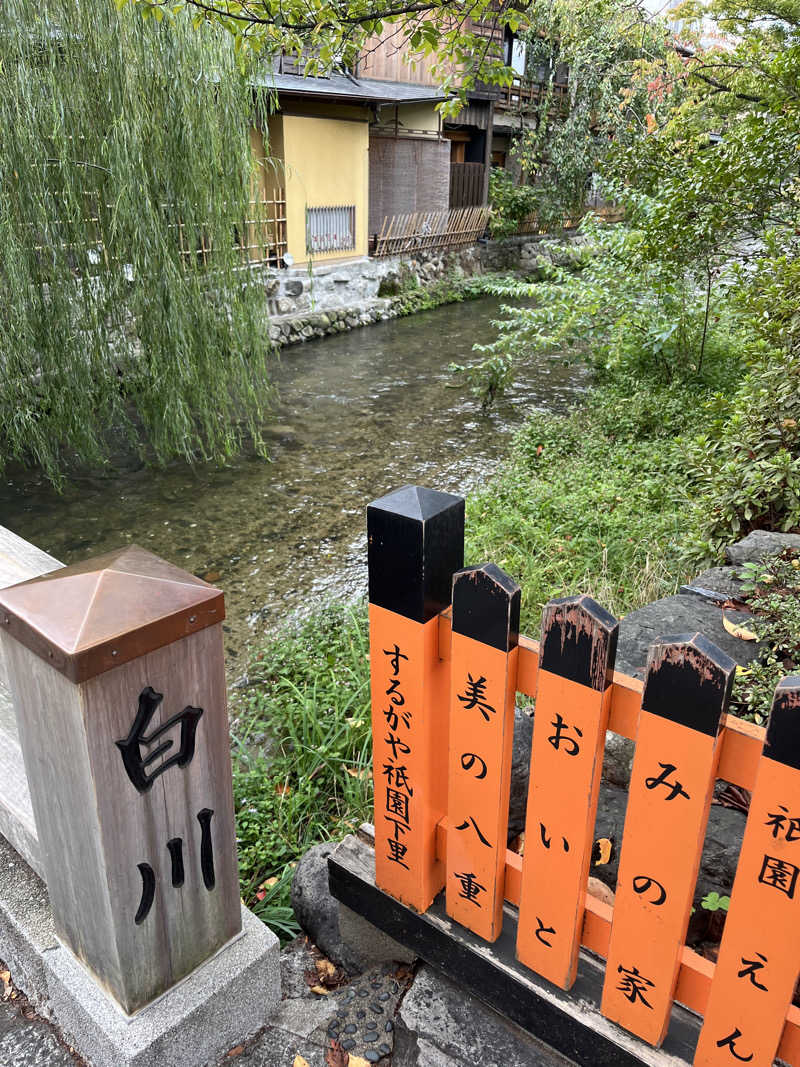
361,90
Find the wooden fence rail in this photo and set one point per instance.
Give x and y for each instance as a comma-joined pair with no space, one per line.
260,239
446,663
421,231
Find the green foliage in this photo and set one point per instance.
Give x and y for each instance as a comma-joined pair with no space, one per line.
620,310
302,752
714,902
444,33
745,466
590,503
511,203
488,379
773,595
621,75
121,137
411,296
722,162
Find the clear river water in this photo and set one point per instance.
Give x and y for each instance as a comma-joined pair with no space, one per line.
359,414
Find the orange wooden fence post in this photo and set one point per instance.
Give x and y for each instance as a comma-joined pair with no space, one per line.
483,674
416,543
686,691
576,661
759,958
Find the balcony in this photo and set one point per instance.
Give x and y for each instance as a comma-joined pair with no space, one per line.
522,94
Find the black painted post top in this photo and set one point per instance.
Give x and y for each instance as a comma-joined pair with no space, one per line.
415,541
688,681
783,729
579,641
486,606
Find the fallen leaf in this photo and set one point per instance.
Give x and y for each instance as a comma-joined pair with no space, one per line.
320,989
518,844
237,1050
358,1061
300,1062
326,968
601,891
737,629
365,772
336,1056
601,852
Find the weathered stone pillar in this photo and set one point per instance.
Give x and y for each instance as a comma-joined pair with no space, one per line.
116,670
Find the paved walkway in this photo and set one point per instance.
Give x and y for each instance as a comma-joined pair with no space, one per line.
420,1018
25,1039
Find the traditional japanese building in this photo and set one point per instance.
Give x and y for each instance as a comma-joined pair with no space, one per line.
343,150
343,156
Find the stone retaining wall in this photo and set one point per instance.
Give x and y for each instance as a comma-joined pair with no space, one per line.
342,296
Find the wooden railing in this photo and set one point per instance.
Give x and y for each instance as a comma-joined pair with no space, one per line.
533,224
444,682
522,93
427,230
261,238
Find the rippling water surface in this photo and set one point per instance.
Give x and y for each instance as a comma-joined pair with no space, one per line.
360,414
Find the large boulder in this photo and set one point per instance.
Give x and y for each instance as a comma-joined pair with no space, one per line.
680,614
758,545
343,936
720,851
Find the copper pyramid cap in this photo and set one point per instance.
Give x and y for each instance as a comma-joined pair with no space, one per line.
93,616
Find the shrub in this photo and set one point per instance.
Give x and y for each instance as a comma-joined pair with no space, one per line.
772,591
745,467
511,204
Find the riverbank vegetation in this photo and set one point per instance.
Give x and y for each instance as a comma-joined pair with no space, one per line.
598,500
690,436
302,752
454,287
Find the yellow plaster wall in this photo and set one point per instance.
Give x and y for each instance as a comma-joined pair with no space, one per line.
267,150
414,117
327,165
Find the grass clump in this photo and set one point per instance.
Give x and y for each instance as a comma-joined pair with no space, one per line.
594,501
454,287
302,753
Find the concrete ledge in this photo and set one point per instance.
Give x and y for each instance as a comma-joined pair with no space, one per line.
220,1005
17,823
19,561
26,927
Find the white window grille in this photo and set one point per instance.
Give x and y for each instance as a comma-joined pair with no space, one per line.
330,229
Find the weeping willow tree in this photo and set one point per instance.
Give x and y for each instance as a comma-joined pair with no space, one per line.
126,175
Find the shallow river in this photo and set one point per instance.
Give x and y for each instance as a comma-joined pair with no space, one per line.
360,414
